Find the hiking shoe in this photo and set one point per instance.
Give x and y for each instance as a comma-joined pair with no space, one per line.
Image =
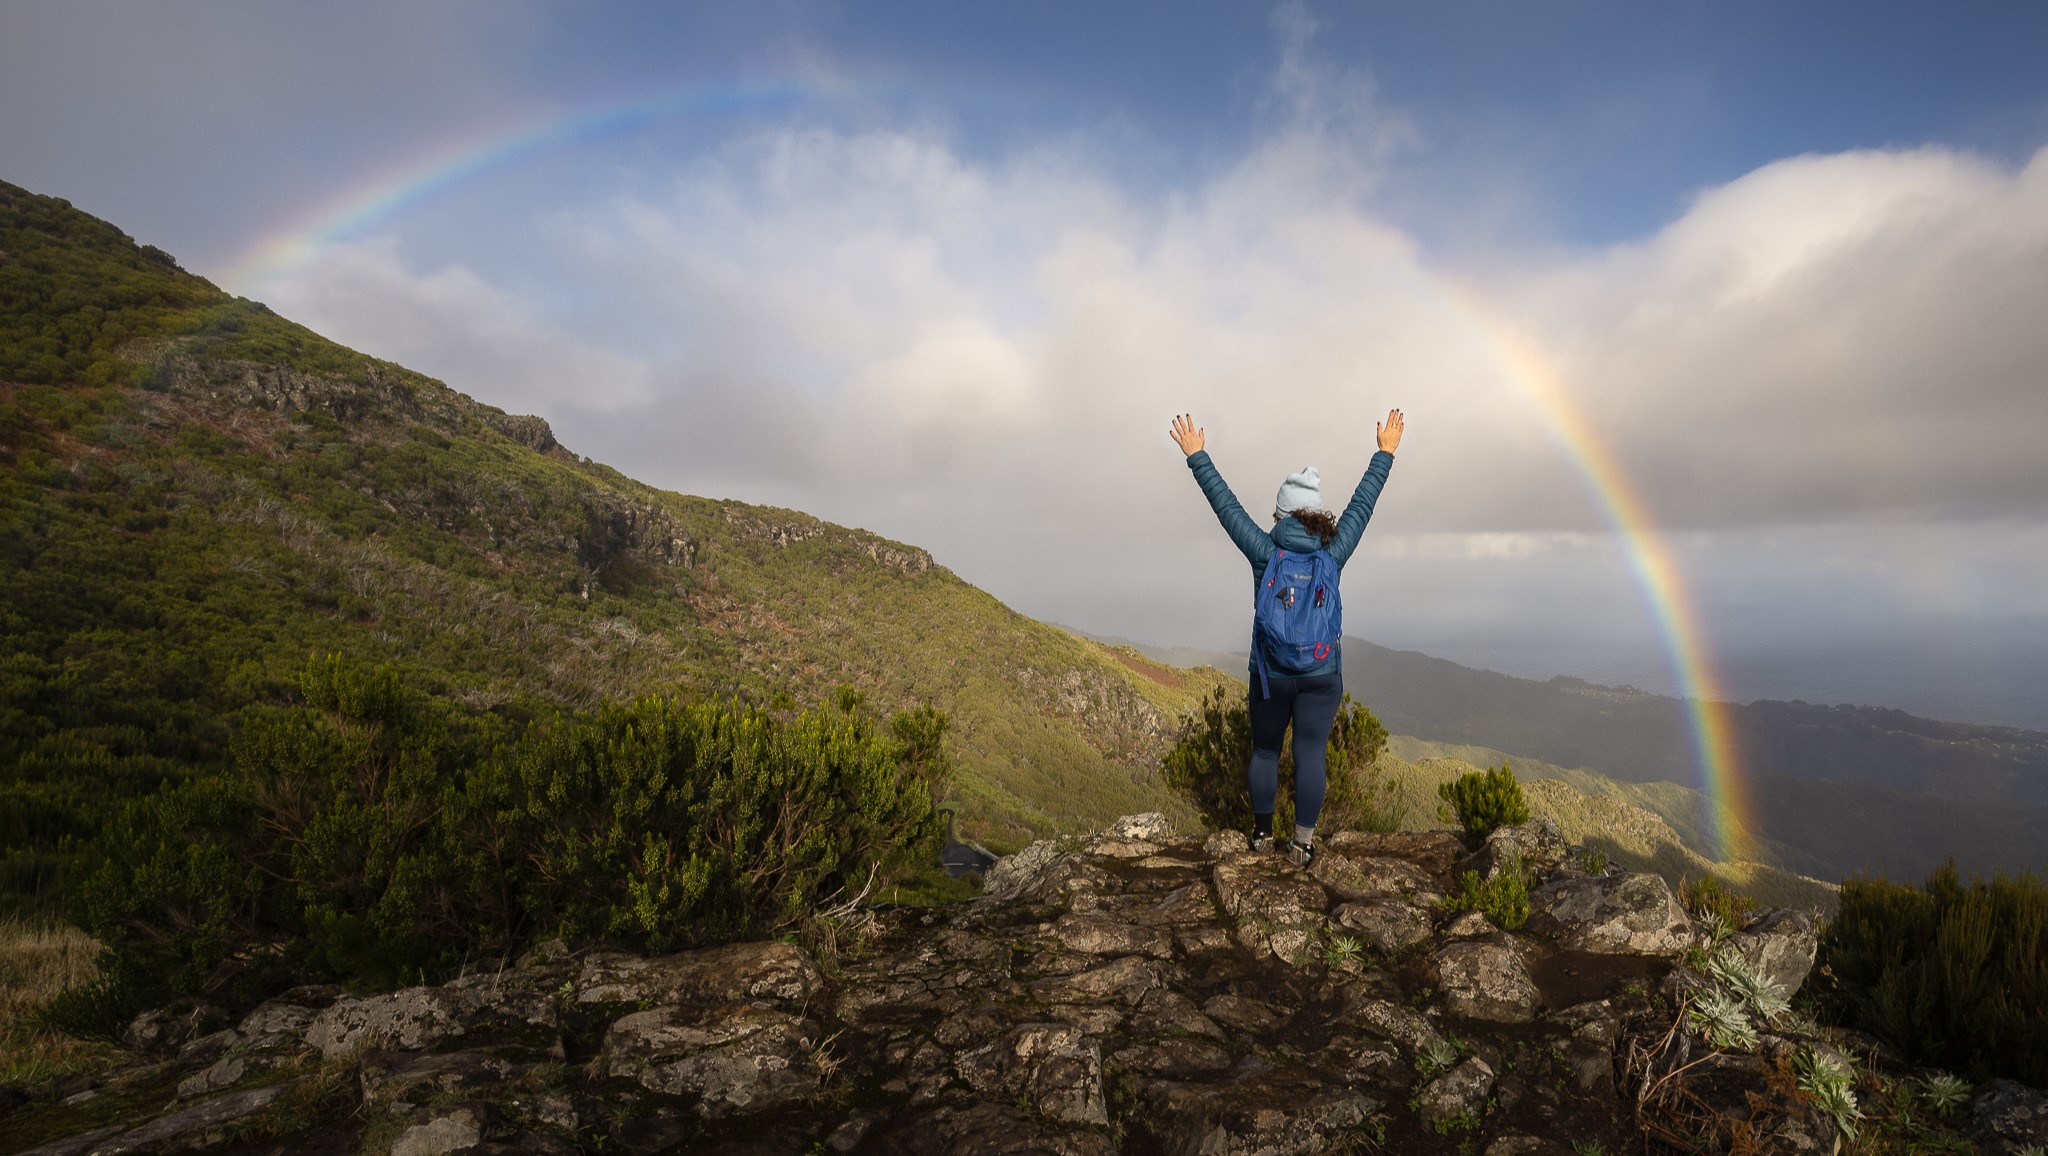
1303,854
1262,844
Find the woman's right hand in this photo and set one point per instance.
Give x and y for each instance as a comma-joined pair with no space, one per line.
1390,430
1187,435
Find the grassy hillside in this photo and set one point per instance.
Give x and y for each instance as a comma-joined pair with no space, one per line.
196,495
1630,822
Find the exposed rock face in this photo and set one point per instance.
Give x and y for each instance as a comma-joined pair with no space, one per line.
1617,913
1485,979
1780,945
2007,1116
1136,990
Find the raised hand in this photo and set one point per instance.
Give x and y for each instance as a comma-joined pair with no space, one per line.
1190,438
1389,431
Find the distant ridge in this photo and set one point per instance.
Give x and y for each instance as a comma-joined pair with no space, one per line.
1838,789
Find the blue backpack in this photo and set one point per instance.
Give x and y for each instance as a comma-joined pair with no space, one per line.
1297,617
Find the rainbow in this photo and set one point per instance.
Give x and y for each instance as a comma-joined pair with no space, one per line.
411,180
407,183
1730,815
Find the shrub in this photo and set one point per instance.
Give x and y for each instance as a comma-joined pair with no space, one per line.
1952,974
1503,898
1480,801
1707,895
374,836
1208,763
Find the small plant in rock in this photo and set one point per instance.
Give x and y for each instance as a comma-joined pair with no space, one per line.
1342,950
1827,1080
1482,801
1763,996
1719,1016
1713,929
1944,1092
1589,1148
1435,1058
1593,861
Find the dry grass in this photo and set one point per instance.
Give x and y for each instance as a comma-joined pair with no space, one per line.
37,962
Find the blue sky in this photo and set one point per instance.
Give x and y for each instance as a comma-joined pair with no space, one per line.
944,270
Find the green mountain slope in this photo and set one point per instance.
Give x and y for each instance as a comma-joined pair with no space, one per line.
196,495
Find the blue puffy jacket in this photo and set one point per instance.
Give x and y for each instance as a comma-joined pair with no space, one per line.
1258,543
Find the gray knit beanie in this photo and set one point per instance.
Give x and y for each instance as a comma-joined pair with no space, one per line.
1301,491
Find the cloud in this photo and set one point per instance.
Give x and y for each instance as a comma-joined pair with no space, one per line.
450,323
1829,338
981,356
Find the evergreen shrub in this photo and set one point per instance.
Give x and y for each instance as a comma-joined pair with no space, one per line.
1953,974
1481,801
375,836
1503,898
1207,766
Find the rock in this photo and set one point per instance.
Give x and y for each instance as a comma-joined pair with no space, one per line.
1100,935
1224,844
991,1129
1388,926
226,1072
1780,946
2010,1114
1525,1146
1278,1115
1390,1021
1462,1091
275,1024
200,1126
1436,852
734,1059
411,1019
1468,925
1487,979
739,971
452,1129
1056,1066
162,1032
1022,876
1537,844
1125,980
1613,914
71,1145
1242,1014
432,1077
1275,906
1375,878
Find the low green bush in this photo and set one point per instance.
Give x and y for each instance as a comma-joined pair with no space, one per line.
374,836
1503,898
1207,765
1481,801
1952,974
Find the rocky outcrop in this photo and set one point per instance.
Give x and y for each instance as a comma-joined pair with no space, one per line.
1137,990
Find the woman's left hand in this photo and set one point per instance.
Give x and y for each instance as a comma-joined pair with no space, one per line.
1187,435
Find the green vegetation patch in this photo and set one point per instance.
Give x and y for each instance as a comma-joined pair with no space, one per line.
1952,973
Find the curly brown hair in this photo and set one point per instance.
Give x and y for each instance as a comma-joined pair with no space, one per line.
1321,523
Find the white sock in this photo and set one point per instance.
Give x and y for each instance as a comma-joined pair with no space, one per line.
1303,835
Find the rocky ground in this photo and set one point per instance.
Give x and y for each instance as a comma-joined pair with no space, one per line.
1134,992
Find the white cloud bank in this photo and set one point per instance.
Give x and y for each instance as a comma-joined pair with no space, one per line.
983,358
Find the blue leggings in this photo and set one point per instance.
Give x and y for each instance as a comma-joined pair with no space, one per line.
1312,705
